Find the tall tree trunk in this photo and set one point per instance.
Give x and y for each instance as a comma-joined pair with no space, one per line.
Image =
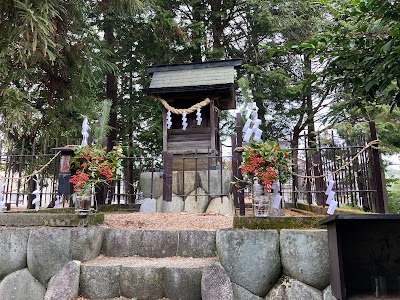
197,33
111,85
314,158
294,145
217,28
111,93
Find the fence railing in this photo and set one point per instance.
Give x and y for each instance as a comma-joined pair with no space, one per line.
144,177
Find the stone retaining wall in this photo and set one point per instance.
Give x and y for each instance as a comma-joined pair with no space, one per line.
61,263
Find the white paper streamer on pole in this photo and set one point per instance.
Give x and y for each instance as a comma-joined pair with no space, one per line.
36,192
249,110
275,194
277,201
247,125
329,188
198,116
332,207
184,121
332,203
85,132
330,198
169,119
253,122
107,197
3,183
257,135
57,202
247,135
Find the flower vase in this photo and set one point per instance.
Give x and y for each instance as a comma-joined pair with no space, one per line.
83,203
263,203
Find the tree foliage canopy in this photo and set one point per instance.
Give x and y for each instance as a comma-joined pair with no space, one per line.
359,53
57,59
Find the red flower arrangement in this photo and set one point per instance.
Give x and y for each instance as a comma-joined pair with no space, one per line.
267,162
94,165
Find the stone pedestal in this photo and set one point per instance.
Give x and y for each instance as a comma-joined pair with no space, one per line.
262,206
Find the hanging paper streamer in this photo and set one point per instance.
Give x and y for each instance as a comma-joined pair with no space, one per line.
248,111
85,132
277,201
184,121
275,194
198,116
57,202
107,197
332,207
330,198
329,188
3,183
169,119
36,192
253,122
332,203
247,125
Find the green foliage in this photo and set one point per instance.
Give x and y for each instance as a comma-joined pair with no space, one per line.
394,196
51,67
360,53
387,126
101,130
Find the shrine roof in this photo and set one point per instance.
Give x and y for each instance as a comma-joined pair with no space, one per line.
218,74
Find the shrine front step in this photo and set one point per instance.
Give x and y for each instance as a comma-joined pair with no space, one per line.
159,243
143,277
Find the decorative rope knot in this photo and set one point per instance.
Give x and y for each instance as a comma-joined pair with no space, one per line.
181,111
239,149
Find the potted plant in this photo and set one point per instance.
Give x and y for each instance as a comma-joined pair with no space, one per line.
263,164
267,162
93,165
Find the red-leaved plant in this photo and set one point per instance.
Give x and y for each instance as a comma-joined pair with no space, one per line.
267,162
94,165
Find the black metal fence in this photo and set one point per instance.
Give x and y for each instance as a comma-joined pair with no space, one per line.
355,166
142,177
356,180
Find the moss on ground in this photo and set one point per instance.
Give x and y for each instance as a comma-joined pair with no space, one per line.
278,223
52,220
323,210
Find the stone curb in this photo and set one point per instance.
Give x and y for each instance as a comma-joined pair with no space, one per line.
52,220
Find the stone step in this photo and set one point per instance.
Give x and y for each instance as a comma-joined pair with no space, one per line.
159,243
143,277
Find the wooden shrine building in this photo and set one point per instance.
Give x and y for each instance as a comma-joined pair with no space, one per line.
183,86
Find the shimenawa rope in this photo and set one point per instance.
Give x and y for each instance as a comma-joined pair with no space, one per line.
35,172
369,145
180,111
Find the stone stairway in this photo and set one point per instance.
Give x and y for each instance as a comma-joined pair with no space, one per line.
149,264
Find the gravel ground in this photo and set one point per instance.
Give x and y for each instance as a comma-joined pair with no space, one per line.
169,221
174,221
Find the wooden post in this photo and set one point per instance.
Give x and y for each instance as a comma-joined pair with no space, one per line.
167,176
235,171
308,173
238,156
212,123
381,201
165,129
